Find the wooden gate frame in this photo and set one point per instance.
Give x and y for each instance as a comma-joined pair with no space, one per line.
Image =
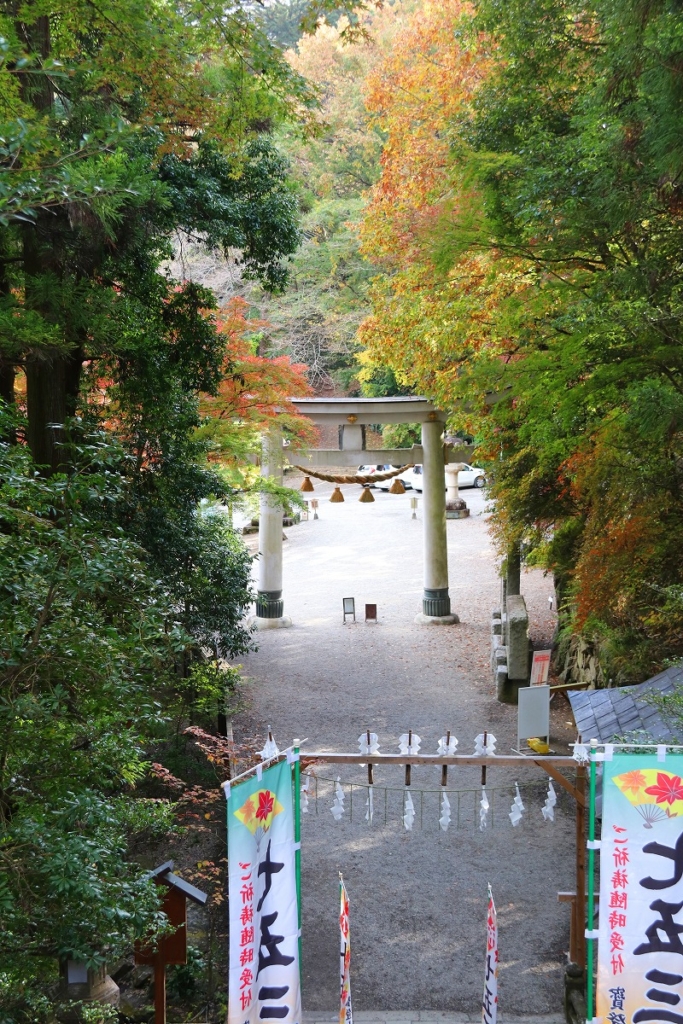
550,764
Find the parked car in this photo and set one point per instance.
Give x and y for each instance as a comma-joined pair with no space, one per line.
472,476
406,477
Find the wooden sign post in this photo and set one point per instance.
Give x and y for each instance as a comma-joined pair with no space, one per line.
172,948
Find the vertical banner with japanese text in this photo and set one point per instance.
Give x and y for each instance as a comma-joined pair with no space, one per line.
640,953
489,1008
264,981
345,1011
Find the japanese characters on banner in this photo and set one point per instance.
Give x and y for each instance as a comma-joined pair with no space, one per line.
489,1006
345,1011
264,931
640,952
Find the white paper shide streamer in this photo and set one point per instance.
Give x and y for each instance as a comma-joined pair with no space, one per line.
488,750
368,743
305,789
409,743
445,819
484,807
517,809
447,746
581,753
337,807
271,748
408,811
370,806
548,809
370,747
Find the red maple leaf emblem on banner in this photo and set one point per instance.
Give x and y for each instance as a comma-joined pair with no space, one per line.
266,801
668,789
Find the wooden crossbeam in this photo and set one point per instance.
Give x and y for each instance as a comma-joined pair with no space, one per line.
453,760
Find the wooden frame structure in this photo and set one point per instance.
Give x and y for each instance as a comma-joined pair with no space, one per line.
551,764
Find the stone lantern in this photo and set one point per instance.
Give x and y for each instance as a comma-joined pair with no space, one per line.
81,983
455,506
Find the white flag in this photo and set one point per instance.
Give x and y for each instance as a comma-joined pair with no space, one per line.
345,1011
489,1007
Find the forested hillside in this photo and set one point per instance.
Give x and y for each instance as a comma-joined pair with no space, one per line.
526,229
128,403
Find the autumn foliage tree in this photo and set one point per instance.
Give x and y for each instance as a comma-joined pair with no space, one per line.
254,392
525,237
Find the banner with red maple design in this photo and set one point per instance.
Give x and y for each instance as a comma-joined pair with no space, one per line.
640,952
264,981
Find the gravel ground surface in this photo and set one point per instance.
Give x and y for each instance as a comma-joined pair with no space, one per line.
425,1017
418,899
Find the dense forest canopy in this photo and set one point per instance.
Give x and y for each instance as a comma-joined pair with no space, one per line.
526,228
127,400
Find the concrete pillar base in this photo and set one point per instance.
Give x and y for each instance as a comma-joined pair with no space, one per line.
281,623
436,620
269,604
458,513
436,602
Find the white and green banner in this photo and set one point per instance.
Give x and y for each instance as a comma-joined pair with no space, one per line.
640,947
264,981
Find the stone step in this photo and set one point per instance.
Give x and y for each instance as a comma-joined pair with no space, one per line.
426,1017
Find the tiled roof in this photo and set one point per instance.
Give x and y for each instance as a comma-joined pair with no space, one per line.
604,714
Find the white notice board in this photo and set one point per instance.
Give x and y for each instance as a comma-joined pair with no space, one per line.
533,712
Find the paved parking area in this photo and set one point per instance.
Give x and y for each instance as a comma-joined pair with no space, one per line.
418,898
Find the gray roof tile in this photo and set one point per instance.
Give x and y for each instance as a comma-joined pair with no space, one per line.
603,714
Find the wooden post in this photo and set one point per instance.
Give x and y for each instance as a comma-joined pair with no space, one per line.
160,991
579,908
410,743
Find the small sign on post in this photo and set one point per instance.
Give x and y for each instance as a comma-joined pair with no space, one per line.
171,948
371,613
349,604
540,668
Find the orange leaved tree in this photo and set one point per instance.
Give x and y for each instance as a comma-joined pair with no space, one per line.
255,391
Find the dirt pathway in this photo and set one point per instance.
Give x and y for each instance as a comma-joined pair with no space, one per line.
418,898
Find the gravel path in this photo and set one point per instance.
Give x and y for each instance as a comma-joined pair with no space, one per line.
418,899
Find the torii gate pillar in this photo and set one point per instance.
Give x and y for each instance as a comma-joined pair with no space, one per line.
352,415
269,603
436,602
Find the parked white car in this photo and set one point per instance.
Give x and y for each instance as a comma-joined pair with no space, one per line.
471,476
406,477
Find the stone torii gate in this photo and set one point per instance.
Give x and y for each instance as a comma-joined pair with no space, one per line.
352,416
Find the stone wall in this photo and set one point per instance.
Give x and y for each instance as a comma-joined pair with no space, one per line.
579,662
510,647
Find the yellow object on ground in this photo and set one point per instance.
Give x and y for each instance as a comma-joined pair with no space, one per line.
538,746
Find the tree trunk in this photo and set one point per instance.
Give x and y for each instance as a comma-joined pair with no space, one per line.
7,373
46,377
